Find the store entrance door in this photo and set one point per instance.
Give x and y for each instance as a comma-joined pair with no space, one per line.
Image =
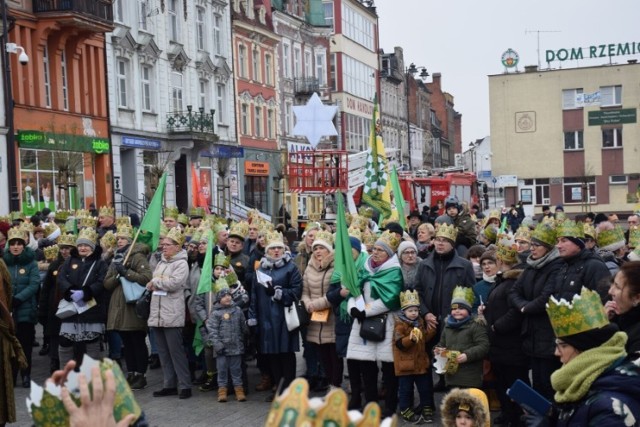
182,188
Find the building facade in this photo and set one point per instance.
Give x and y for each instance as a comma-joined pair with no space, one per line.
444,122
570,135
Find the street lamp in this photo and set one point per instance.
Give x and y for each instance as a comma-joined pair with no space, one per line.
412,71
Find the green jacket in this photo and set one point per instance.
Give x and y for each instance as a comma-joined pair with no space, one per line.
25,280
472,340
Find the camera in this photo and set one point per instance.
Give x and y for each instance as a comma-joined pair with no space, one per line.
23,58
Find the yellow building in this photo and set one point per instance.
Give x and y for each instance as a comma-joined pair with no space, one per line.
571,137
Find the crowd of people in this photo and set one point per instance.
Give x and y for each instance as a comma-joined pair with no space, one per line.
468,292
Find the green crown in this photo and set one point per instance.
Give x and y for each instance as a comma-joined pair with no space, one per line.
219,284
183,219
221,259
584,313
634,237
611,240
589,230
231,278
506,249
545,232
171,212
463,295
569,228
196,212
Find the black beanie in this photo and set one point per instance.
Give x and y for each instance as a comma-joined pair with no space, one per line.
577,241
587,340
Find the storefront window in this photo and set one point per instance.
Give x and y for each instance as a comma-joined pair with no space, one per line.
255,192
151,167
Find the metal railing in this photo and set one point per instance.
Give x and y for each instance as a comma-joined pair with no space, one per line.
190,121
99,9
306,85
127,205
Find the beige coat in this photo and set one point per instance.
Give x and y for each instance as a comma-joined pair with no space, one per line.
317,277
168,311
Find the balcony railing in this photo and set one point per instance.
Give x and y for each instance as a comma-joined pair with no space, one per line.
306,85
97,9
190,121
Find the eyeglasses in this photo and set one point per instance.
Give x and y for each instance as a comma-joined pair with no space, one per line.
377,250
535,245
523,243
412,253
561,345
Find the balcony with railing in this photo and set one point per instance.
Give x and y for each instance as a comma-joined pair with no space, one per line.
94,15
191,121
306,85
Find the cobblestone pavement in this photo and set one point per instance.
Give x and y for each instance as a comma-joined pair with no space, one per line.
201,410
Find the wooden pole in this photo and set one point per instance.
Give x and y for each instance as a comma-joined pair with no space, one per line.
126,258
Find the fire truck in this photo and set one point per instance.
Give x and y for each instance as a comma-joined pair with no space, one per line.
424,188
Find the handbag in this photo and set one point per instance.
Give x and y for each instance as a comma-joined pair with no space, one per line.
66,308
303,315
374,328
291,318
132,290
143,305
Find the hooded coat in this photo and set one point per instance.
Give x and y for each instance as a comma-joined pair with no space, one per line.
472,340
316,283
584,269
473,399
25,279
170,275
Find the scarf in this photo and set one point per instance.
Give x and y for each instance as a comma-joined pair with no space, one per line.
457,324
415,323
268,263
386,284
546,259
573,380
423,246
489,279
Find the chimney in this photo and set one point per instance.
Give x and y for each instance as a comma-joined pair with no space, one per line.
530,68
436,79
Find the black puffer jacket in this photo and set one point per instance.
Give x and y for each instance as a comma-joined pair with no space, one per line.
584,269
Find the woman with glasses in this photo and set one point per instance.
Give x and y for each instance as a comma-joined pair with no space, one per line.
408,257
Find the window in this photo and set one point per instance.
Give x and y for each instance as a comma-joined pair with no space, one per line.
610,96
308,69
328,13
203,95
217,34
122,83
47,77
244,119
286,60
357,27
145,87
242,61
200,33
579,190
618,179
117,11
142,13
357,132
573,140
612,138
334,80
542,190
288,126
569,99
221,95
149,162
258,122
270,124
297,70
321,68
255,192
359,78
268,70
255,58
174,22
176,91
65,87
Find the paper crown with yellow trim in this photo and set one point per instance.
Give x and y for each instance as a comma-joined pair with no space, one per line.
108,240
312,225
324,238
360,222
62,216
88,222
355,232
50,228
447,231
589,230
560,217
163,230
545,232
294,408
366,211
231,278
222,260
219,284
189,231
123,220
493,214
171,212
107,211
239,230
490,232
17,216
219,226
88,234
82,213
409,298
51,252
390,239
274,239
314,216
634,237
125,231
196,236
176,235
611,239
583,313
67,240
183,219
523,233
17,233
196,212
369,238
27,227
507,251
463,295
569,228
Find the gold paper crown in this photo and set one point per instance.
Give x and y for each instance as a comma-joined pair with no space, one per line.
314,216
219,226
355,232
49,229
222,260
312,225
82,213
409,298
390,239
231,278
506,249
325,237
5,218
27,227
274,239
189,230
560,217
366,211
293,407
17,215
447,231
568,228
108,240
523,233
360,222
67,240
583,313
107,211
611,240
51,252
88,234
123,220
125,231
545,232
548,220
253,215
196,236
171,212
219,284
239,229
163,230
493,214
62,216
463,295
348,218
589,230
196,212
17,233
634,237
88,222
369,238
183,219
176,235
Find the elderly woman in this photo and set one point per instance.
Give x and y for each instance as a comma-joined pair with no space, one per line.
276,286
408,257
381,283
424,242
304,248
167,315
316,283
81,280
624,307
131,264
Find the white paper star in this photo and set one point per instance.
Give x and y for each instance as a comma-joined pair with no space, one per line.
314,120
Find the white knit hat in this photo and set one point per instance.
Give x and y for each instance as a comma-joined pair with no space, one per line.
406,245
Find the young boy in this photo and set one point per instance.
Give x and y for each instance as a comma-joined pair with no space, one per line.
227,329
465,408
410,359
467,336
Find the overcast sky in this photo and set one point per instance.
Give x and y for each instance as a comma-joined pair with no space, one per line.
464,40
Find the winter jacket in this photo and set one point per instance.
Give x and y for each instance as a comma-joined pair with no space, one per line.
50,297
239,262
504,322
268,312
168,311
584,269
472,340
629,323
466,229
530,295
227,328
410,358
72,275
359,348
302,257
122,316
195,269
342,325
314,290
254,263
25,280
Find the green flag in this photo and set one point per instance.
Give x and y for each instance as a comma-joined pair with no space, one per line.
150,226
503,226
204,286
398,198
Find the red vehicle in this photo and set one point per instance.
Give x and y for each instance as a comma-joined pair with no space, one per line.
423,189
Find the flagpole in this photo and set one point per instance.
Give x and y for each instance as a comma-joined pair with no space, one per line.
126,258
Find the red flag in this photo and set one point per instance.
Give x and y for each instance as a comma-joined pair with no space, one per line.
199,199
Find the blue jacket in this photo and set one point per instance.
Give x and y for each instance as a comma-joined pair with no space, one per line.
25,281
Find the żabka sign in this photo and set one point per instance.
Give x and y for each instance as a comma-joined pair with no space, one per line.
595,51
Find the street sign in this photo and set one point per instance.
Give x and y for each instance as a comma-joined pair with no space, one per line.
612,117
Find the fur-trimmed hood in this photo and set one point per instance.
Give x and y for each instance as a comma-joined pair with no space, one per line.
472,398
511,274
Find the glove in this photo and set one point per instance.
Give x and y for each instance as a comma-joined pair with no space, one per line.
76,296
271,291
277,294
358,314
120,268
252,322
16,303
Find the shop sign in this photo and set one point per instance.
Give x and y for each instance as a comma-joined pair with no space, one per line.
61,142
595,51
223,152
133,142
612,117
357,106
256,168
